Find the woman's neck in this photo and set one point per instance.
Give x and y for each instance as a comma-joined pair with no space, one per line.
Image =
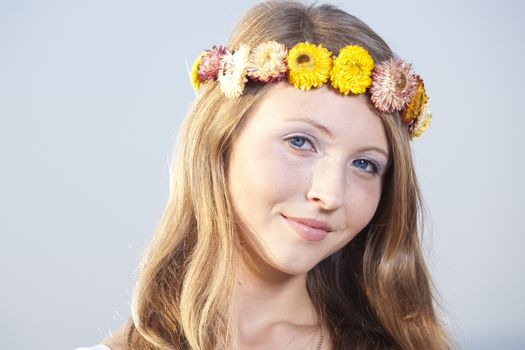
267,301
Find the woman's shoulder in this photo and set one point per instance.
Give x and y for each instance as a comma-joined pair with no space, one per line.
96,347
116,341
103,346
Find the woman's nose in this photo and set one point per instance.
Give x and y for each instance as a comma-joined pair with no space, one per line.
328,186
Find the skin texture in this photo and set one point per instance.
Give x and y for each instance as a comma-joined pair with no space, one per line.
280,167
269,177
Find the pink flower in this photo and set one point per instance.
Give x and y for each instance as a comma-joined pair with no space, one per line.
267,62
211,63
394,84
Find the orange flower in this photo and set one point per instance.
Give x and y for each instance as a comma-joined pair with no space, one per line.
415,107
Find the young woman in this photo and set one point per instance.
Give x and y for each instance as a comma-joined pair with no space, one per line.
294,214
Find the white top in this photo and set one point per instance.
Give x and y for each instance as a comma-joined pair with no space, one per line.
96,347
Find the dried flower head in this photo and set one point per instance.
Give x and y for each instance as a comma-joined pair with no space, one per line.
309,65
194,77
421,123
267,62
352,70
415,107
232,74
393,85
211,63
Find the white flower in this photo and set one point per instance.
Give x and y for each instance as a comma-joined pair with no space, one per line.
421,123
267,62
232,74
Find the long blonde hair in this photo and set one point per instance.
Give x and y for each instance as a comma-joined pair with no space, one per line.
375,293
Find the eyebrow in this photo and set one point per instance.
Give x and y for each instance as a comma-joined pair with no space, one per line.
329,133
314,123
373,148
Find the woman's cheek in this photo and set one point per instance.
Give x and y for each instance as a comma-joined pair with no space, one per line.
284,170
363,199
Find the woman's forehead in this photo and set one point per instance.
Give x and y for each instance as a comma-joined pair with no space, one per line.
332,114
316,103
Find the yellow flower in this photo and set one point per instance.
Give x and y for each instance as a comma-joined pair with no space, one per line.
195,81
415,107
352,70
421,123
309,65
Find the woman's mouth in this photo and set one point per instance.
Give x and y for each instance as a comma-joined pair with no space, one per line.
305,231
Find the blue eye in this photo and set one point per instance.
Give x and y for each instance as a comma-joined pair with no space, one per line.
366,165
298,142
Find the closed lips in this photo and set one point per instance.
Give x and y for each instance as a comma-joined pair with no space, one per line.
318,224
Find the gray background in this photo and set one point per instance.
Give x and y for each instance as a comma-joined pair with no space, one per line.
91,97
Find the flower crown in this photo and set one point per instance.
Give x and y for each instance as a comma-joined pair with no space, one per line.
392,84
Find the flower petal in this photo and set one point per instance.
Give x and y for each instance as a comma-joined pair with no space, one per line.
393,85
308,65
232,74
267,62
352,70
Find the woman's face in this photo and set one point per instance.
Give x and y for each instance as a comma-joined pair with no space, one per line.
306,155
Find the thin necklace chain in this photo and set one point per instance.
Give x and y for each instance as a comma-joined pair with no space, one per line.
321,339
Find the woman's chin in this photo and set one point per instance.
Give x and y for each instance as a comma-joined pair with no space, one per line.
293,265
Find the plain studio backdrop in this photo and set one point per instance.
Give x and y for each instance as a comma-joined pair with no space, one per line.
92,94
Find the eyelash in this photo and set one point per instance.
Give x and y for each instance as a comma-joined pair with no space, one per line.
375,166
